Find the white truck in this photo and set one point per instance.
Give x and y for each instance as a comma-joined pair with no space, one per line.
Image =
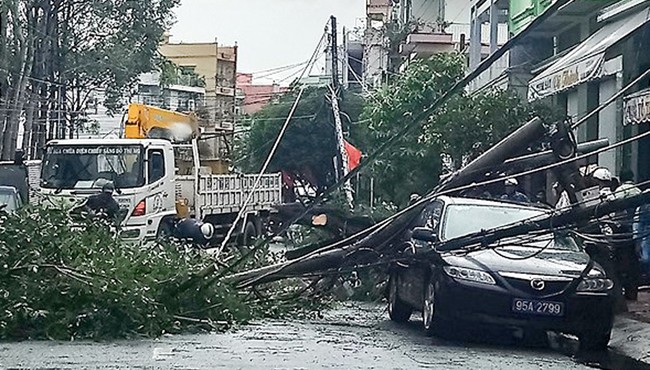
158,182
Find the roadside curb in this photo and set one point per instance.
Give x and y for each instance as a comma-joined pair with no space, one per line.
631,338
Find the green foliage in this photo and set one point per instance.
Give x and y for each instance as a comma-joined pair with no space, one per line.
61,281
308,145
129,31
463,128
413,165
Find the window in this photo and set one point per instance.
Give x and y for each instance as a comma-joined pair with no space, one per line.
156,162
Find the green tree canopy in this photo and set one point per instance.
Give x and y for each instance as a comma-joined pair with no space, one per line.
54,54
308,146
466,126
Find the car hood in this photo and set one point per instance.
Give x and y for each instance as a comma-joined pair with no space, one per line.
512,259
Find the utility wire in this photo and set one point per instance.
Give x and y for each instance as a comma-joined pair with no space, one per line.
483,66
611,100
272,152
259,176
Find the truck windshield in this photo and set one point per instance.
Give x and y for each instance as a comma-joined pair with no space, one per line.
90,167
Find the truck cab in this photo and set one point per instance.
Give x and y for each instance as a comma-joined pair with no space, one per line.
141,170
159,179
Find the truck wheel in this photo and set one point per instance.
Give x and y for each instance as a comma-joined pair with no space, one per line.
249,235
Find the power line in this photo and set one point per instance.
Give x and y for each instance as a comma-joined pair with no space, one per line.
278,68
484,65
272,152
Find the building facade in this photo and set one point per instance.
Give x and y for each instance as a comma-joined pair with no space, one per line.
576,60
180,96
251,97
218,66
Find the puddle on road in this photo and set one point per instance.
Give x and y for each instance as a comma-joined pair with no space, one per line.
486,339
607,360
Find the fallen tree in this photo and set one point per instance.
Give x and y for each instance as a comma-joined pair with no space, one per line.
64,278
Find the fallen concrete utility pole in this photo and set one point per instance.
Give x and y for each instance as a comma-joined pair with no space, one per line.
384,233
381,237
547,157
334,259
571,218
496,155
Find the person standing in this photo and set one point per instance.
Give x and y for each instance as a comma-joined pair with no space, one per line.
626,254
642,234
512,194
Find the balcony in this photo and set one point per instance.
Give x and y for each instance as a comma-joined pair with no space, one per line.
423,45
378,10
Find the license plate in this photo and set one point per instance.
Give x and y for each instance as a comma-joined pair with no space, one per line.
535,307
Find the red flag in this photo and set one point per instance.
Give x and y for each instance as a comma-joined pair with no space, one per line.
354,155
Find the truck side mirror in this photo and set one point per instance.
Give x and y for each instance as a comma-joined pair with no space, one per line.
424,234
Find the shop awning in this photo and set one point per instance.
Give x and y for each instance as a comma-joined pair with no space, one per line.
587,61
637,108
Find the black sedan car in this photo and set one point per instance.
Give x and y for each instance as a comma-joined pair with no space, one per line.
535,284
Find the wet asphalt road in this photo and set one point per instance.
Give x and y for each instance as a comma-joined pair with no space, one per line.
357,336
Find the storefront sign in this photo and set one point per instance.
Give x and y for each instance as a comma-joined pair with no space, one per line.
637,108
566,78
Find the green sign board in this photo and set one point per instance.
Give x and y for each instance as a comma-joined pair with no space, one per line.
522,12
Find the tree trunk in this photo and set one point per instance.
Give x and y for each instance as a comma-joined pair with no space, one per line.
4,68
26,55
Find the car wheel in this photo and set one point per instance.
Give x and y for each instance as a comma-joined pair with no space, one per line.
398,311
595,340
429,308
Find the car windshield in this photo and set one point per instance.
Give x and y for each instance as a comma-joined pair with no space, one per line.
9,200
464,219
90,167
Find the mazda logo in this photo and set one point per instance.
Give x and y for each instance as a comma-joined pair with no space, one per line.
537,284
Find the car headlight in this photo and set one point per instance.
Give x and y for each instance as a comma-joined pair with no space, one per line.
476,276
595,285
595,281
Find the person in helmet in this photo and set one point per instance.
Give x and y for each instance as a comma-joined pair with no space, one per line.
512,194
603,178
104,203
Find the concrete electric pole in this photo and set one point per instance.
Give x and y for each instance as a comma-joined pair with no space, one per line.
342,167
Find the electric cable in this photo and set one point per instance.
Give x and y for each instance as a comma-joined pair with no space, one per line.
272,152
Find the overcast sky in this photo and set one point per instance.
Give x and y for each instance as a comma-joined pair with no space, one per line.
270,33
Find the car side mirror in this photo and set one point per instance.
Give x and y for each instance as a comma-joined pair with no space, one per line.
424,234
